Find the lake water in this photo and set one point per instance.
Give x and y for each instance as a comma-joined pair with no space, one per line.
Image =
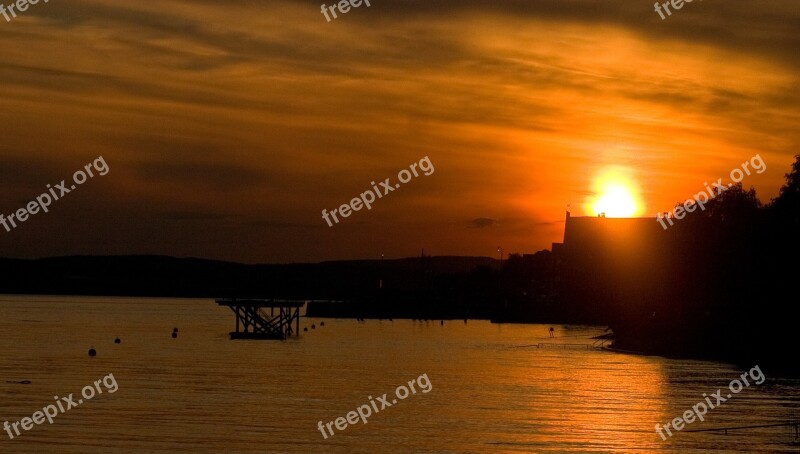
491,391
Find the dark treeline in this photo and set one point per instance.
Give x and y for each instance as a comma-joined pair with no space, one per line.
725,284
717,284
423,287
519,290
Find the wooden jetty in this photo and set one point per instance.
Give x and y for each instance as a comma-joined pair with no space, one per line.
253,322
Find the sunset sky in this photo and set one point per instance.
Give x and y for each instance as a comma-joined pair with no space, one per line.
228,126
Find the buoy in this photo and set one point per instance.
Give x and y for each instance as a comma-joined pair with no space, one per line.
313,327
117,340
174,330
442,323
305,329
174,335
92,352
321,323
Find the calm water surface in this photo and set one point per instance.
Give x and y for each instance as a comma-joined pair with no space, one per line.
492,391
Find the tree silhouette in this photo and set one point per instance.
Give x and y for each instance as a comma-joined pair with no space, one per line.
787,204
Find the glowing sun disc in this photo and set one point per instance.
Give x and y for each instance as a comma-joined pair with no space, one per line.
616,194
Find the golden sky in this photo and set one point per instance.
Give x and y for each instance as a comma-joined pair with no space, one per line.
229,125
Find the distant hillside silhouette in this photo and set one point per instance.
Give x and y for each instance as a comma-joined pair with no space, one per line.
151,275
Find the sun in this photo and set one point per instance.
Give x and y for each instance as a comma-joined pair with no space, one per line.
616,194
